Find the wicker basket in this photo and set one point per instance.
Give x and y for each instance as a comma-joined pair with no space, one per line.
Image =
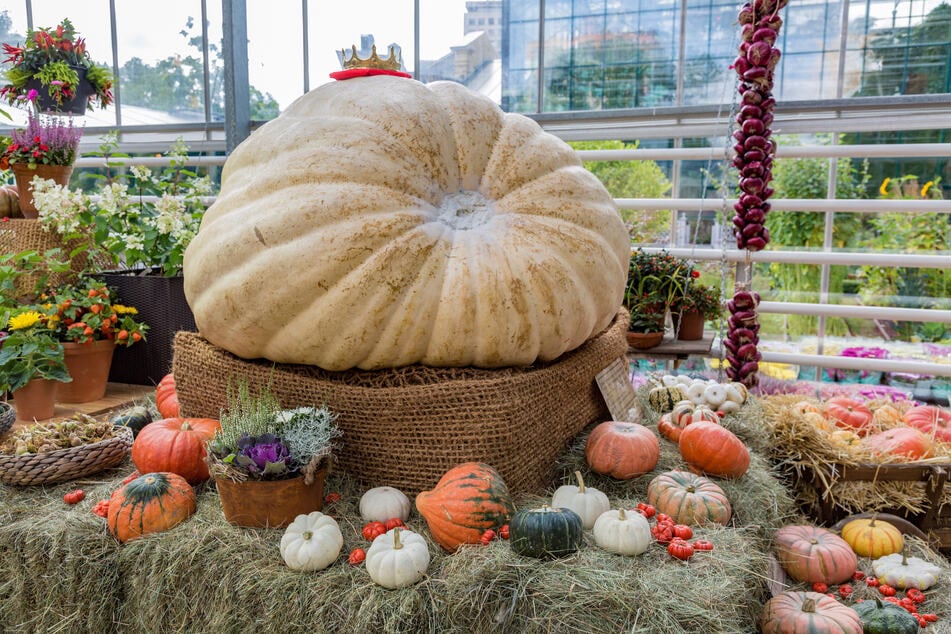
66,464
8,416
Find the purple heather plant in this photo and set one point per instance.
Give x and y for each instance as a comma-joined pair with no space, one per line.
46,140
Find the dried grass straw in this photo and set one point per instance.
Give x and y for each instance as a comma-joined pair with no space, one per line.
803,451
61,571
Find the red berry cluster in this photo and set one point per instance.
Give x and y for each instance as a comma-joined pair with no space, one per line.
754,148
742,338
372,530
489,534
911,601
666,531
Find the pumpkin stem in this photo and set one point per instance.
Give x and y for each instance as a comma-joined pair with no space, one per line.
871,522
185,426
809,605
580,482
307,535
621,515
396,539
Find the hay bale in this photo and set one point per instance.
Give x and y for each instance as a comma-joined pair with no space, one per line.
206,575
57,564
803,453
759,499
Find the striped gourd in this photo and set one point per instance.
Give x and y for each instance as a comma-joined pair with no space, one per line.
813,554
805,612
663,399
467,500
689,498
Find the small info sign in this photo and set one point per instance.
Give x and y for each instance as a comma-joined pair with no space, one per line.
618,391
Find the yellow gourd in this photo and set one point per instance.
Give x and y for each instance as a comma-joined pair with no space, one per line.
870,537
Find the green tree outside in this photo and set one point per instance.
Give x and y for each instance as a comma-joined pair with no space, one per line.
632,179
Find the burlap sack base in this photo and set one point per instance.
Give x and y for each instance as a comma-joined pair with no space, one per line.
406,427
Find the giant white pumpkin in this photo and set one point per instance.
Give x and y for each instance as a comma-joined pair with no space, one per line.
379,222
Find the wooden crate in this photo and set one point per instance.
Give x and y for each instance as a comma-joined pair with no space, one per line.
935,522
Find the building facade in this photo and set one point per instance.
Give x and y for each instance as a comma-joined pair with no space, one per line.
607,54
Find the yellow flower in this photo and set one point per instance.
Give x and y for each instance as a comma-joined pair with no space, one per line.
25,320
924,190
119,309
883,190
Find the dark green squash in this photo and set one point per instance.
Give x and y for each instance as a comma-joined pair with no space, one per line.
883,617
135,418
545,532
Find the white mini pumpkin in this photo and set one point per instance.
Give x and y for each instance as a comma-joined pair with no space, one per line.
379,222
622,532
382,503
587,502
900,571
397,558
311,542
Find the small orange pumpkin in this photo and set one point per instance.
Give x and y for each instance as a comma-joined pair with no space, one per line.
468,500
151,503
176,445
713,449
166,397
621,450
934,421
814,554
850,413
906,442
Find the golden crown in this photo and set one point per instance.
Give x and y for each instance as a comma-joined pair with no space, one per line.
393,62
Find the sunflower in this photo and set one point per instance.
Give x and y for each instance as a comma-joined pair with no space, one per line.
25,320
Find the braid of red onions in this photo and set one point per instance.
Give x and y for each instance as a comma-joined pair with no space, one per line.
755,150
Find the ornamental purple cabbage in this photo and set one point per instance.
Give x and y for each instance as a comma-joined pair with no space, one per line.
265,455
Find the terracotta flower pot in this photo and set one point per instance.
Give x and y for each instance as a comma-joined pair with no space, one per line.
270,503
689,326
24,177
644,340
88,365
36,400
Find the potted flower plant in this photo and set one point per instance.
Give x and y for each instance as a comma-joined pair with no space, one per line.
46,149
698,304
54,63
140,222
269,463
31,364
654,283
90,324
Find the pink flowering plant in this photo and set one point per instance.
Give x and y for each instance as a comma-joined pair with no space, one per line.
46,140
54,60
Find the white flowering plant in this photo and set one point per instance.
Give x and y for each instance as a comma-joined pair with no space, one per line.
138,218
